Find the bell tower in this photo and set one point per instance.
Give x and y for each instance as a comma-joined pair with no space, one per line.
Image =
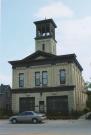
45,36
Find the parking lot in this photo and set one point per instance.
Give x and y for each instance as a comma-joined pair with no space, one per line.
50,127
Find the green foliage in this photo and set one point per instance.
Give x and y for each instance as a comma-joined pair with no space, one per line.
5,114
88,85
88,103
56,115
72,115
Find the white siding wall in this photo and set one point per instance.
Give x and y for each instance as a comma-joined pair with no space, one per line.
73,77
53,75
50,45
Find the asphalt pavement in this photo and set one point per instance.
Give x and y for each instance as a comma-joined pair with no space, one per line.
50,127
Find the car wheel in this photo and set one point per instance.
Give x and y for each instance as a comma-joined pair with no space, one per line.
34,121
14,121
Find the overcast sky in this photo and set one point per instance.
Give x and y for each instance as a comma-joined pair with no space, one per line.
17,31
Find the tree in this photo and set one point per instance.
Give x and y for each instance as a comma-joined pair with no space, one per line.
89,86
88,103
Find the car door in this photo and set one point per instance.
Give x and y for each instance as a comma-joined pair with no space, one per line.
23,117
30,115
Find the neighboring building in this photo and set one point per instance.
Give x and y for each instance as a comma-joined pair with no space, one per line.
5,98
44,81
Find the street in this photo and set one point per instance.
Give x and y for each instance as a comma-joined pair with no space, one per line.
50,127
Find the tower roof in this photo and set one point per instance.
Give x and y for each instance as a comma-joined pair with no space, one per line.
46,21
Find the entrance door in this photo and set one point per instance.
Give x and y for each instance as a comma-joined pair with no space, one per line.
41,106
27,104
57,104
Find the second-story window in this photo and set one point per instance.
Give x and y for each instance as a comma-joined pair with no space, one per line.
44,78
21,80
37,78
62,76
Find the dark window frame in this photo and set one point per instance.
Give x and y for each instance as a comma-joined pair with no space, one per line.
36,84
43,78
21,81
62,78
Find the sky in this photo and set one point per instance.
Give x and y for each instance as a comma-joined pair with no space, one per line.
17,31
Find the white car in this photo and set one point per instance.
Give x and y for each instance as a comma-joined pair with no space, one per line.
86,116
28,116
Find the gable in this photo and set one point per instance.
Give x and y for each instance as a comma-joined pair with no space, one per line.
46,58
38,55
39,58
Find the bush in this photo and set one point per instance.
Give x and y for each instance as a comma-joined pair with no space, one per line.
88,103
71,115
5,114
57,115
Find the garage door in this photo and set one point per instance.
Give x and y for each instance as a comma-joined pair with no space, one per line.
27,104
57,104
